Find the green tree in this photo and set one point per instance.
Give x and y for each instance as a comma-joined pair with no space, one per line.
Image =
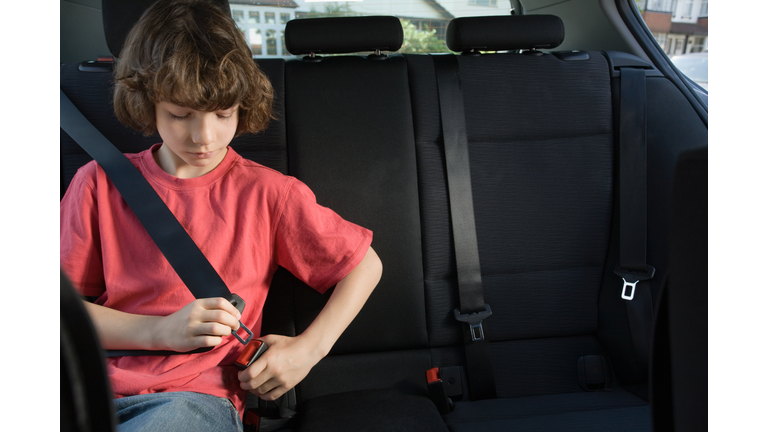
420,41
332,10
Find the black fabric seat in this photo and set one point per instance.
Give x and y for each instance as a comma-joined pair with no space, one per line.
85,391
541,144
597,411
350,138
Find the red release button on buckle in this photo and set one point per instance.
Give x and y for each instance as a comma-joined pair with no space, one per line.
252,351
433,375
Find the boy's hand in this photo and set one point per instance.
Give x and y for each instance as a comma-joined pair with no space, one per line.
202,323
287,361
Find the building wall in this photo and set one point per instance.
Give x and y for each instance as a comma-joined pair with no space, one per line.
689,11
264,27
704,22
660,14
657,22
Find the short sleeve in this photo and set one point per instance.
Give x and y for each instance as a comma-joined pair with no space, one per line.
80,249
315,243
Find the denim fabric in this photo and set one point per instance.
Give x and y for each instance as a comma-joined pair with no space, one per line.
176,411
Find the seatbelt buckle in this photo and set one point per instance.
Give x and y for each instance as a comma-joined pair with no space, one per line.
437,391
250,354
239,304
594,373
247,330
631,279
251,421
475,322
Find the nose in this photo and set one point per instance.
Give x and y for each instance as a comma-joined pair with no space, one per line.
205,132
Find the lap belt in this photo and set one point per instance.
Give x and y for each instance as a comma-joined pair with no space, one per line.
172,239
473,309
632,267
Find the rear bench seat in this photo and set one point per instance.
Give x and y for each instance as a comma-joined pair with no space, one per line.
364,134
541,145
541,148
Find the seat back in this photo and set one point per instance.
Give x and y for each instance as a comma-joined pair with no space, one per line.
350,139
85,390
540,136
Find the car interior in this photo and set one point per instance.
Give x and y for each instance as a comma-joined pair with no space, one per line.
538,199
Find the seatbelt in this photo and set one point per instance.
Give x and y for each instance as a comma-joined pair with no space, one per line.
172,239
473,309
632,267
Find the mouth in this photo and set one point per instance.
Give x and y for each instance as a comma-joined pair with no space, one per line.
205,155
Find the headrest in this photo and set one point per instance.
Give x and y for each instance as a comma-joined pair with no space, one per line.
119,16
343,35
504,33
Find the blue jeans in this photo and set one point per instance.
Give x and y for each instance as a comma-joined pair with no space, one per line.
176,411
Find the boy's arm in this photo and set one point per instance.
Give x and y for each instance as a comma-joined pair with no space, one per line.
289,359
201,323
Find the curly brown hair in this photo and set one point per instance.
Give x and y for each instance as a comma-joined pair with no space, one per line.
189,53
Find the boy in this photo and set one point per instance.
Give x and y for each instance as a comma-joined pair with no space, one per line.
187,73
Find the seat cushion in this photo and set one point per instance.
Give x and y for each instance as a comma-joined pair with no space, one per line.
599,411
372,411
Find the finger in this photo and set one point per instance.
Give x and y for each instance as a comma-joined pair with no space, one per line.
273,395
269,391
212,329
205,341
222,304
219,316
267,387
253,375
252,385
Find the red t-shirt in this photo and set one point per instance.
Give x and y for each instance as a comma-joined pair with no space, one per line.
247,220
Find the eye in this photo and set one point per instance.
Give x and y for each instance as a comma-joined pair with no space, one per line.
175,117
226,115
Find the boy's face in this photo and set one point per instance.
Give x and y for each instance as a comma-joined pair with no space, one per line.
194,142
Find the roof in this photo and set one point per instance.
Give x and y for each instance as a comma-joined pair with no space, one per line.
279,3
441,10
687,28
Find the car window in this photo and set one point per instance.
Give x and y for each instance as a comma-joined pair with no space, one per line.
694,66
681,28
424,22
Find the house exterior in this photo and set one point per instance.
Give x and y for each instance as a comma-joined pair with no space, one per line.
263,21
679,26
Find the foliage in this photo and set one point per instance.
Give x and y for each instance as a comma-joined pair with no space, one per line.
333,10
420,41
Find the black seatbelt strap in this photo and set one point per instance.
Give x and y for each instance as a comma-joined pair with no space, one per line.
473,309
172,239
632,268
